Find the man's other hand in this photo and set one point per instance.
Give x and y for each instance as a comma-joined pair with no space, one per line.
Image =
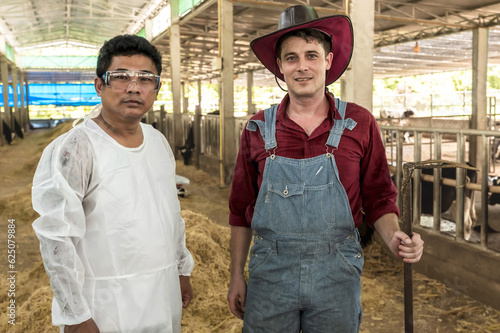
186,290
236,295
88,326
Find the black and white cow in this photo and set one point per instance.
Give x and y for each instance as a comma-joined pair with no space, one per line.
403,121
18,129
448,203
7,132
495,148
494,197
448,196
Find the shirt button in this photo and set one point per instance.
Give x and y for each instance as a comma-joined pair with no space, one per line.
351,236
253,254
285,192
258,237
358,255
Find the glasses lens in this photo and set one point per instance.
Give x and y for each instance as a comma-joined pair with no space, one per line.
118,80
147,80
122,80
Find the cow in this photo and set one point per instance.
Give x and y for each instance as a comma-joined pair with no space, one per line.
410,112
448,201
494,197
7,132
387,114
18,129
402,116
187,149
448,196
182,184
495,148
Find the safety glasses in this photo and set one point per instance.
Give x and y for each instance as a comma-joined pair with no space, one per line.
123,79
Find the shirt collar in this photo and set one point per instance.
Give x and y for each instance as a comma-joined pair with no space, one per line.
281,116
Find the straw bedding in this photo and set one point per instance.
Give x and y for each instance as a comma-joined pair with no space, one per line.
437,307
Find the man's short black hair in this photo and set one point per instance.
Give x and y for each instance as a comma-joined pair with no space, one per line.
126,45
309,35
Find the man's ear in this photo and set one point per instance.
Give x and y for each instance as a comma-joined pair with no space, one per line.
329,59
158,91
99,86
278,61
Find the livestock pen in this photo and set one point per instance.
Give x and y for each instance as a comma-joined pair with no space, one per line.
472,263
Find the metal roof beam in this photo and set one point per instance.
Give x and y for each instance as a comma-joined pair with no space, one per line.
429,5
185,19
489,21
75,18
283,5
412,13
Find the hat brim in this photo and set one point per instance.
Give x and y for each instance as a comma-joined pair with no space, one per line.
337,26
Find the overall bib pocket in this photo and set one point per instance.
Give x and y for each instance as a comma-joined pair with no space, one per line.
321,209
284,203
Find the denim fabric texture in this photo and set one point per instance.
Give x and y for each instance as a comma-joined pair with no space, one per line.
306,262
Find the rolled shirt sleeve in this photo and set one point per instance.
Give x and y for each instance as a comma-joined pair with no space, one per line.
245,185
377,189
59,185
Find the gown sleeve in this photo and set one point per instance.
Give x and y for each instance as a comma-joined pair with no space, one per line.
184,258
185,261
59,186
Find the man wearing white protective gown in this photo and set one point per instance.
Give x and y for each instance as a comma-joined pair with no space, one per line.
111,235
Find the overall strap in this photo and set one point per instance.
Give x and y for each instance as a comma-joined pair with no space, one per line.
339,124
267,128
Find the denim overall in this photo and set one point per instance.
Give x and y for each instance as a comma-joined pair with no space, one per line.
306,261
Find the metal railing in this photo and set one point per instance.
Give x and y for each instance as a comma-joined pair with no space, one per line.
210,130
438,137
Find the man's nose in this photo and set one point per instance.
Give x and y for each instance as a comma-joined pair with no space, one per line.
132,86
302,64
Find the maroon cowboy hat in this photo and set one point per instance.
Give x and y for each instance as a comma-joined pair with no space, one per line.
337,27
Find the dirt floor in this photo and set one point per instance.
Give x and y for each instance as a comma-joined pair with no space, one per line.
436,307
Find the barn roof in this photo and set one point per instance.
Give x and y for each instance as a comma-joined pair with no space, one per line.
442,28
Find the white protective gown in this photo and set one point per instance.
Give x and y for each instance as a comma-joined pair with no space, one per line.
110,231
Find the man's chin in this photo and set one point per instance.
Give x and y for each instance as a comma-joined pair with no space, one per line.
133,115
303,93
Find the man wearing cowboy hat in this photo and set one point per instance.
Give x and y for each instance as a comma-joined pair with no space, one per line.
305,170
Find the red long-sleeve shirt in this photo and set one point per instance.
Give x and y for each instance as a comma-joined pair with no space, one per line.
360,159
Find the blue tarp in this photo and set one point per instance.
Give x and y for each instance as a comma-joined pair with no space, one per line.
11,95
58,94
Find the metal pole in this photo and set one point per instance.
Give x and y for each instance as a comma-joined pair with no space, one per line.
484,192
436,209
406,227
407,217
417,196
399,163
460,189
197,129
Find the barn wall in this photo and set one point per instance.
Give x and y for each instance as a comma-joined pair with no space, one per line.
462,266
